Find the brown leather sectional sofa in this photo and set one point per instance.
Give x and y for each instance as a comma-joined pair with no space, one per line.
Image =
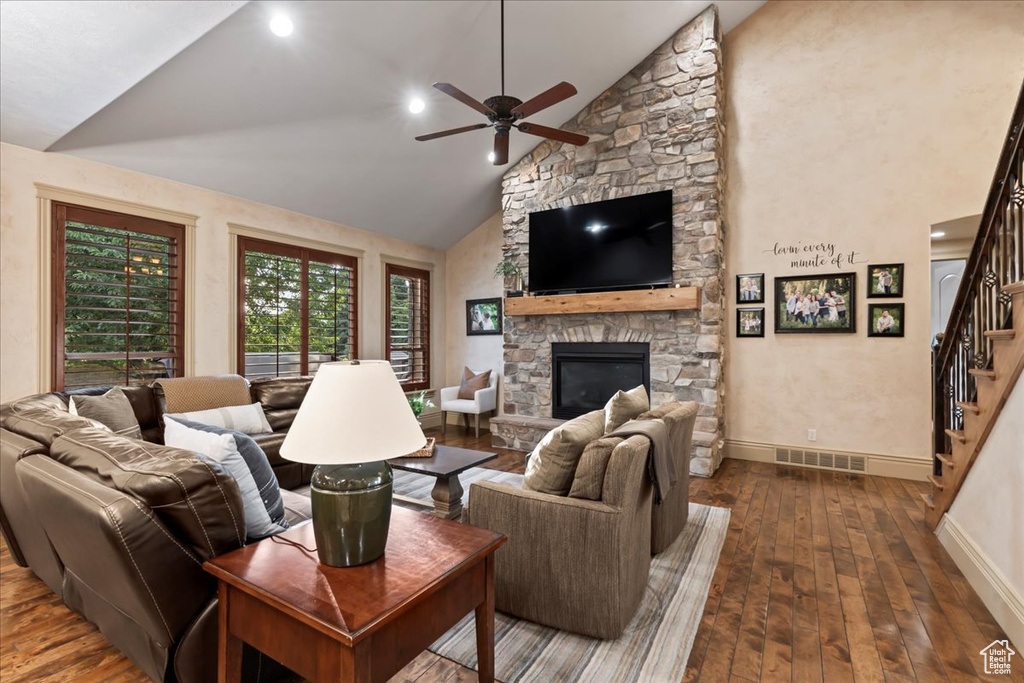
119,528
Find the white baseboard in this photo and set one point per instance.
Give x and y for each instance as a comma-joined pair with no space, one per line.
895,466
1002,600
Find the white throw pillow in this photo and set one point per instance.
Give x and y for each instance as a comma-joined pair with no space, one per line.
223,449
246,419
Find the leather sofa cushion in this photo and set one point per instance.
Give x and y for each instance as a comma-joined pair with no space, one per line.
281,420
197,500
51,401
280,397
271,445
552,463
45,424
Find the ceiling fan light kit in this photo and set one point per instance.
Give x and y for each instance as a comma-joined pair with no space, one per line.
505,112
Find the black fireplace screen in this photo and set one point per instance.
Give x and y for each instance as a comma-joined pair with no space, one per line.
585,376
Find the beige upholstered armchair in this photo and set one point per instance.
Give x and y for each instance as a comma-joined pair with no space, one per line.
574,564
484,401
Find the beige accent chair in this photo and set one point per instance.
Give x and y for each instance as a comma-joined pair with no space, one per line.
484,401
573,564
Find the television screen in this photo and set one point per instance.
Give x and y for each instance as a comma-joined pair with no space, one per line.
615,244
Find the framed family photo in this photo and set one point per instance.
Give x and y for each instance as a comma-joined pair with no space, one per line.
750,322
885,280
886,320
483,316
813,304
750,288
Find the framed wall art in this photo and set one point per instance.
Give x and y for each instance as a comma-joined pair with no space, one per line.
483,316
813,304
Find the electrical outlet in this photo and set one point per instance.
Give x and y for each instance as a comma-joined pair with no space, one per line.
812,434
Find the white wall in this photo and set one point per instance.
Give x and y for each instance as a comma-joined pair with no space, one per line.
861,124
471,276
984,528
21,291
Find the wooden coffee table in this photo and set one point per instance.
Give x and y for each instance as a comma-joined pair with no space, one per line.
359,624
445,466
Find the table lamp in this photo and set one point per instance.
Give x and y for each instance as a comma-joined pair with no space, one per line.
355,416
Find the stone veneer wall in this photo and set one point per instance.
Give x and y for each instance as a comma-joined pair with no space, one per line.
660,127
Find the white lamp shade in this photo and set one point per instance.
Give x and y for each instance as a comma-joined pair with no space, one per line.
353,413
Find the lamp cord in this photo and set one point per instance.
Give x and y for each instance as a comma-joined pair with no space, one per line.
288,541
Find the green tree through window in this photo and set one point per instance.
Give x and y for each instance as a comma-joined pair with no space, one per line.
119,301
299,309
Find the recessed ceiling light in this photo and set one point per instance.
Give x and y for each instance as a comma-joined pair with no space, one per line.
938,233
416,105
281,25
490,157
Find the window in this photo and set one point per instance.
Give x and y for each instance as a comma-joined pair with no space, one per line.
407,338
118,298
297,309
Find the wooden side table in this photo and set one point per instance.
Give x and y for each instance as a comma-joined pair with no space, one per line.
360,624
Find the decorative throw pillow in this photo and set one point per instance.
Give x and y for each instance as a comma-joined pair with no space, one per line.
588,482
112,409
246,462
473,383
248,419
624,406
553,462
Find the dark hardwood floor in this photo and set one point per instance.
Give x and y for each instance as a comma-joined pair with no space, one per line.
823,577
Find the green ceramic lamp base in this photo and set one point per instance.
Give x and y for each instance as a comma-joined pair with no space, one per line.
351,512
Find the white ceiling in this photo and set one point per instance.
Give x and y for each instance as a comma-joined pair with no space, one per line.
316,122
61,62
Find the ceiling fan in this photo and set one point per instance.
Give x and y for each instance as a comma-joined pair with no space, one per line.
506,112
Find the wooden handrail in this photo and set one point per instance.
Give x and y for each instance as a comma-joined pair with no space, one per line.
996,260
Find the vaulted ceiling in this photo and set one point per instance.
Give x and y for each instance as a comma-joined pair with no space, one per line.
203,93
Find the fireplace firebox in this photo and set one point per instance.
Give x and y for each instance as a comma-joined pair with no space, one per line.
585,376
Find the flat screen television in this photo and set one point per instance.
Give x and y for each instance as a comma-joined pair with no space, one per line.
621,243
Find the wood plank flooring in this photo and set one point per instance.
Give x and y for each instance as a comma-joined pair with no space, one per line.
823,577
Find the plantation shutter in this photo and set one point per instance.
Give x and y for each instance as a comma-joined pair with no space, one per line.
119,299
297,309
407,338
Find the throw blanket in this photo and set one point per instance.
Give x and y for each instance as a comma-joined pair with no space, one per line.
661,467
189,394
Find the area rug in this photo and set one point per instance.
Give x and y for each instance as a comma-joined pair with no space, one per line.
418,486
655,646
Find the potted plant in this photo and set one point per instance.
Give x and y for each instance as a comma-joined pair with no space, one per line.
513,274
419,402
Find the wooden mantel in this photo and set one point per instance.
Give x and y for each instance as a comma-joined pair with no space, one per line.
667,299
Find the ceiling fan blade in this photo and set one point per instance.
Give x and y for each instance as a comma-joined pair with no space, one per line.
553,134
449,89
452,131
549,97
500,148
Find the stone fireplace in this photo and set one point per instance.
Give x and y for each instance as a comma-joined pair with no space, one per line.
660,127
584,376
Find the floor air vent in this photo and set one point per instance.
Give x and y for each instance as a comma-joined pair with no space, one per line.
828,461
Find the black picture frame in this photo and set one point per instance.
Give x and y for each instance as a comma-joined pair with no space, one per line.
757,279
876,290
899,314
743,327
487,312
837,321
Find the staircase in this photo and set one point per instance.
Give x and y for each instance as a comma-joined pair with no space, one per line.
981,354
